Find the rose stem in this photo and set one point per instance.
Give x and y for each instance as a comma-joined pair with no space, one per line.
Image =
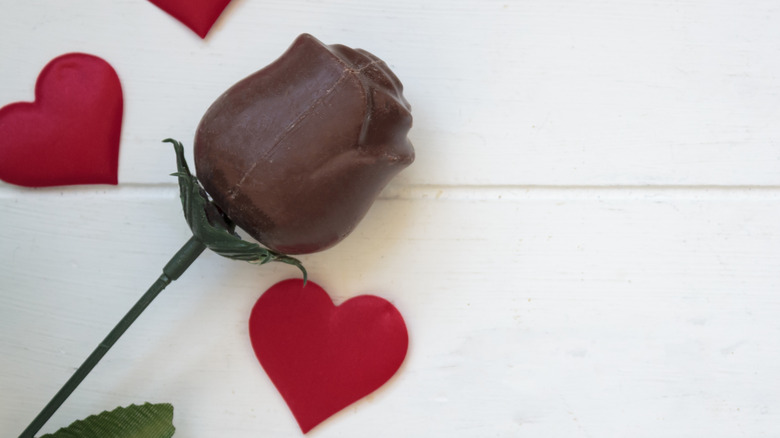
172,271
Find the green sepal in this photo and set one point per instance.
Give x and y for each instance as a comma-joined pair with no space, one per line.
134,421
217,230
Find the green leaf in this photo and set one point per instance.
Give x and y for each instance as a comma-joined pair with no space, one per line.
145,421
215,230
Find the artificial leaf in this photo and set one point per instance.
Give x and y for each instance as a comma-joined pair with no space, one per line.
214,229
144,421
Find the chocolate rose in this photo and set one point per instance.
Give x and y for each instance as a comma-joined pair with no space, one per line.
296,153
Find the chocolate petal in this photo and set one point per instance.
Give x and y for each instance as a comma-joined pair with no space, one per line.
296,153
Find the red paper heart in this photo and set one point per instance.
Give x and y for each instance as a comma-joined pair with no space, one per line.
70,133
322,358
198,15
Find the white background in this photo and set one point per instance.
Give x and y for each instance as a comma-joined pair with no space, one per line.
587,245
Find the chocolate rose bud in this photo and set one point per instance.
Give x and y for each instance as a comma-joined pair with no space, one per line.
296,153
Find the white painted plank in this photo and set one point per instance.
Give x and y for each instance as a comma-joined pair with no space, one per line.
605,313
504,92
567,310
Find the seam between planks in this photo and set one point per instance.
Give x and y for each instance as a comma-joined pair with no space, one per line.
444,192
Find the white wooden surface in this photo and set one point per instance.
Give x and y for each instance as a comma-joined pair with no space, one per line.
587,246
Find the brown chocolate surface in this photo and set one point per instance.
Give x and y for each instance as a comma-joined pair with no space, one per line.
297,152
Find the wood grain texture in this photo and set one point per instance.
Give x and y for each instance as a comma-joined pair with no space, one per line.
538,92
608,317
587,246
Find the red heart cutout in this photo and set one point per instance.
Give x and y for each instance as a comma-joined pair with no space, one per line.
198,15
70,133
321,357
